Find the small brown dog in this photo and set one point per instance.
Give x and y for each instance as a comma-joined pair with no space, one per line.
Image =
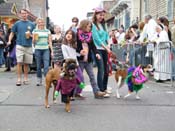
51,78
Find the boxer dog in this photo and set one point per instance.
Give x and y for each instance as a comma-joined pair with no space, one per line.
51,78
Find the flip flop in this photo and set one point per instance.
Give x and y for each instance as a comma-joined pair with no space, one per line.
18,83
26,82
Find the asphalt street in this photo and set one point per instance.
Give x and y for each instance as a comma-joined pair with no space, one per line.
22,108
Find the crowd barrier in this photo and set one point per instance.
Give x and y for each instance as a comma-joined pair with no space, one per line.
161,56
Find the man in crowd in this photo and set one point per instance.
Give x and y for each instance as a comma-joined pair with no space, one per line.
24,55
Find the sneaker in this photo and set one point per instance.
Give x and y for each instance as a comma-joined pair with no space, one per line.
26,82
137,97
72,99
106,95
108,91
79,97
39,82
6,70
99,94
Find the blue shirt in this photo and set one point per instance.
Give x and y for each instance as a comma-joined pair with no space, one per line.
19,28
100,36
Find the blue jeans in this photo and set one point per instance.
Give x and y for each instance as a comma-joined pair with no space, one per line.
89,69
1,56
173,63
42,57
102,73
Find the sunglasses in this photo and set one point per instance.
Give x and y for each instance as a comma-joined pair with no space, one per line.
75,21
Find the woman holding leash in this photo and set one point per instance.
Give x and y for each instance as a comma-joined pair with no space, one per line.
101,38
85,47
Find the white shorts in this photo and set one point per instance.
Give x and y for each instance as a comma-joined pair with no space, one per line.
24,54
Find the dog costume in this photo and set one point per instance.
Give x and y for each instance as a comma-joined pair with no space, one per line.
68,82
134,77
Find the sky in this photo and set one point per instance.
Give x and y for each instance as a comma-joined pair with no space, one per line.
62,11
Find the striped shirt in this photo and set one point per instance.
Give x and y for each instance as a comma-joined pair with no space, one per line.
43,35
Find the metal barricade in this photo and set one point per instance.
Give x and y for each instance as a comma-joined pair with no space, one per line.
161,56
119,51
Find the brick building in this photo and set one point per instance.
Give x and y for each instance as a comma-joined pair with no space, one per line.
158,8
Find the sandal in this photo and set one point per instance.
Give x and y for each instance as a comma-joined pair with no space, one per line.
18,83
26,82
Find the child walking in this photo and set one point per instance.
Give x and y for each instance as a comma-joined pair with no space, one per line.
69,51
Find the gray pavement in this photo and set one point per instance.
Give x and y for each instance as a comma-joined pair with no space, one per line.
22,108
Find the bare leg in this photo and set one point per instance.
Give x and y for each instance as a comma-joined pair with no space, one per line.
25,72
19,71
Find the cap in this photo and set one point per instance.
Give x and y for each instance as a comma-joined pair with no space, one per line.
99,9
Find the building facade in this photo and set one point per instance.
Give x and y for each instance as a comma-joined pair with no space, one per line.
126,12
158,8
38,8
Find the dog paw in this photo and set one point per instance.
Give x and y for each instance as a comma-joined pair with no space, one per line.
137,97
47,106
118,96
126,96
54,102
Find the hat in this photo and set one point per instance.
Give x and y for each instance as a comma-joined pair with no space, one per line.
99,9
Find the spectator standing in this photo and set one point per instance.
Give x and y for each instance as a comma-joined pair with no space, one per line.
24,55
57,39
42,42
101,39
161,57
173,47
2,46
10,52
148,33
74,25
85,47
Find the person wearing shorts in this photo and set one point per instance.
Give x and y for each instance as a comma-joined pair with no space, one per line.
24,55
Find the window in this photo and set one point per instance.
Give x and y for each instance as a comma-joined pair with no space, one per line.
146,6
127,19
170,4
116,23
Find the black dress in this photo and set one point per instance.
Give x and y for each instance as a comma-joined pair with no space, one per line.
57,51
